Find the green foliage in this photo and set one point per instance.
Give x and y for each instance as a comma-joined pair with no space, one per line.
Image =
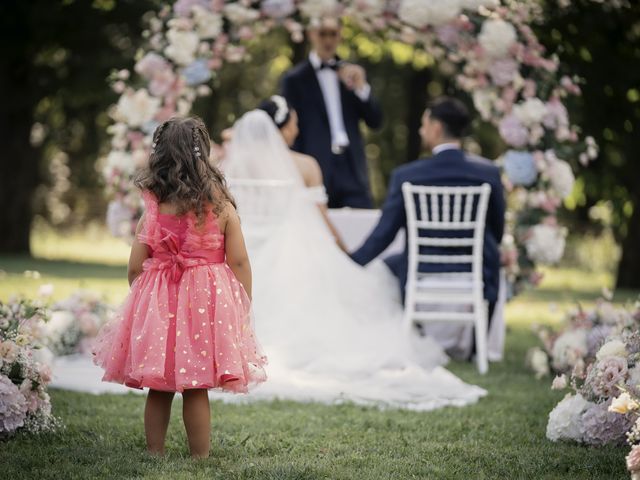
602,46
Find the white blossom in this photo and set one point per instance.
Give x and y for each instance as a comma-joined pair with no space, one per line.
613,348
137,108
319,8
497,37
239,14
182,46
278,8
421,13
565,419
531,111
484,99
545,244
209,24
569,348
562,178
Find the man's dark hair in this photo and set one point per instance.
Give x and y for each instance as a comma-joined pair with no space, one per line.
453,114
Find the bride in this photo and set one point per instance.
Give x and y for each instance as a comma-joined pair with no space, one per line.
331,329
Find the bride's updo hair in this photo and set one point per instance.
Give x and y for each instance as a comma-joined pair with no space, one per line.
179,170
278,109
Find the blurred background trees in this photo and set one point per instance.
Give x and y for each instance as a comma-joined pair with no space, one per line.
57,54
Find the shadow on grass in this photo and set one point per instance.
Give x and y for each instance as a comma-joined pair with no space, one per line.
61,268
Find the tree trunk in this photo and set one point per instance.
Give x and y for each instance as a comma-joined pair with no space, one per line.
629,267
18,180
19,173
417,99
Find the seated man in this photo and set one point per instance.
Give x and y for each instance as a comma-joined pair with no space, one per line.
443,126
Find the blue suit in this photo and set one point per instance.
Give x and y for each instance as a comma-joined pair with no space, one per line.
448,168
346,175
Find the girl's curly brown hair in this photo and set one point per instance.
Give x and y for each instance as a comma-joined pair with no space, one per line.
179,171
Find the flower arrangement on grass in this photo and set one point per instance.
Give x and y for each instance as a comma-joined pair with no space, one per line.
24,371
627,405
75,322
595,355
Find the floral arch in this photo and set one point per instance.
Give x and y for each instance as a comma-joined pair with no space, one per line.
496,59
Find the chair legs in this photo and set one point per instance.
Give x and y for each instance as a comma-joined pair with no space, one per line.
481,334
482,354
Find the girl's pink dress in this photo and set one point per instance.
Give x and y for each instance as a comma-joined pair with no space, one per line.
187,320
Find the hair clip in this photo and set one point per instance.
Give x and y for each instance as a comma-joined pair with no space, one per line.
282,110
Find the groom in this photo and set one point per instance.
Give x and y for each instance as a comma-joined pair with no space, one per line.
443,127
331,97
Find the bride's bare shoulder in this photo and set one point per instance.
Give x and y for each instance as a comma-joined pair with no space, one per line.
309,168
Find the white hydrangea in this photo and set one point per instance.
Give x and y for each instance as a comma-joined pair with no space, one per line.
483,100
119,160
497,37
538,361
239,14
476,4
182,46
565,420
278,8
531,111
545,244
208,24
561,177
59,323
118,132
420,13
137,108
319,8
568,348
613,348
370,8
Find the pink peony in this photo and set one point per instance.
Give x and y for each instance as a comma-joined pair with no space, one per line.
13,406
633,459
513,131
503,71
605,376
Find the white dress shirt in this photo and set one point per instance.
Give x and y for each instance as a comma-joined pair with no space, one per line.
446,146
330,87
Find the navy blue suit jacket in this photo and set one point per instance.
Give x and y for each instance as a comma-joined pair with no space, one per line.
301,88
448,168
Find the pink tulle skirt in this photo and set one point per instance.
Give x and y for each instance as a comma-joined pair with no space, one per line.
171,335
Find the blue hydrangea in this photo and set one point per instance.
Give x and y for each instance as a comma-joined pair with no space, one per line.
196,72
520,168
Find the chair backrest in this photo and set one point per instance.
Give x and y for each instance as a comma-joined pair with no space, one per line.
445,225
262,206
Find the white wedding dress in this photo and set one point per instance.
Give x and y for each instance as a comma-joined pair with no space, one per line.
331,329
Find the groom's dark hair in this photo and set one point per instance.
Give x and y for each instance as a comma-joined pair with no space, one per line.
452,114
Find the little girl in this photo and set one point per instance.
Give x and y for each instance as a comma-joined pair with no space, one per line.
186,324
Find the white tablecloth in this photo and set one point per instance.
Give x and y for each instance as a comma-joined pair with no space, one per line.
354,226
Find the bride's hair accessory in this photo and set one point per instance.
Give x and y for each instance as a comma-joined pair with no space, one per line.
277,108
282,109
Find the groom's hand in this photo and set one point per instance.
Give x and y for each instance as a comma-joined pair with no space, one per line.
353,76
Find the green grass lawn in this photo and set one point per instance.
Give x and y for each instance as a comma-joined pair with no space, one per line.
502,437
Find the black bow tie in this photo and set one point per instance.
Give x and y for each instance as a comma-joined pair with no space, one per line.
331,66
